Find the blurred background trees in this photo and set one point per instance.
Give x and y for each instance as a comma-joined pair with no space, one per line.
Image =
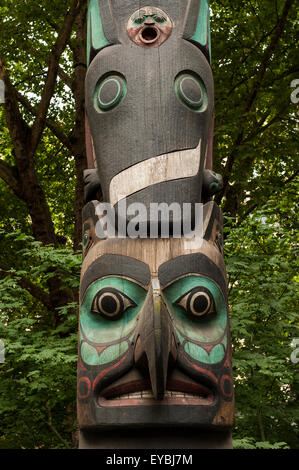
42,157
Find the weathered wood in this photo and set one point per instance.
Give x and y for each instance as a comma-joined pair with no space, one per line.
154,349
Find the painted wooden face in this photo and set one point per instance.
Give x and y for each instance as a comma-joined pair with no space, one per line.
154,331
149,99
149,27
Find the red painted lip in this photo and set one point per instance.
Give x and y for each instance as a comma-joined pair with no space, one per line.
169,401
202,395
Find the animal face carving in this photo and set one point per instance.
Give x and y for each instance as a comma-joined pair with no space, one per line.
154,331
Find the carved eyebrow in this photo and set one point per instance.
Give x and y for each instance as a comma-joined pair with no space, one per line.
140,13
196,263
115,265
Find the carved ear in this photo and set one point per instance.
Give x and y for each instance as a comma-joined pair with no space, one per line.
89,219
100,27
213,225
197,25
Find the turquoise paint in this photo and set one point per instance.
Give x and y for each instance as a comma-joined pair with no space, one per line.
95,32
217,354
196,352
186,97
209,36
89,354
104,331
113,352
209,329
201,32
116,96
178,88
199,354
121,93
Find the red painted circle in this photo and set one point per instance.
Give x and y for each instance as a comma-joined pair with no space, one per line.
86,382
226,382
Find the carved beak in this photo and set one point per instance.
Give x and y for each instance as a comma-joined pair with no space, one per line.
155,345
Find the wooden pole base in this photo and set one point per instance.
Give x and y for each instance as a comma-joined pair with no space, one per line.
156,439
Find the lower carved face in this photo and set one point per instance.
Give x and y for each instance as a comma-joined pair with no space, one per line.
154,335
149,27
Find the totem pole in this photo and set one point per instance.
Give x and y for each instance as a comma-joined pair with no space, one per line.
154,366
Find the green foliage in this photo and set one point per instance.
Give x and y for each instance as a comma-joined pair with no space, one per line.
263,276
255,147
38,378
249,443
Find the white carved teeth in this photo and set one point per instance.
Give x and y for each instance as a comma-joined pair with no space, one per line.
149,395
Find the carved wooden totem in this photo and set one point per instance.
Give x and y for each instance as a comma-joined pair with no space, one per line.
154,346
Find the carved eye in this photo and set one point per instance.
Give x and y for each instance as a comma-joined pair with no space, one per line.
86,240
191,91
198,302
160,19
111,304
110,91
139,19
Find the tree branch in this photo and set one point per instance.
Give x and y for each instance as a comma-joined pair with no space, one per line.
18,129
52,125
53,69
8,174
253,95
37,292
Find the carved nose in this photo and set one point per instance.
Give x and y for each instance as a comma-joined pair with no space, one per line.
149,22
155,347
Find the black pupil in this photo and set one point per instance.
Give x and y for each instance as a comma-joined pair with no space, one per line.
108,304
200,304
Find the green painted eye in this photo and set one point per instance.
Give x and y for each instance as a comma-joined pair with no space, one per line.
111,304
191,91
110,91
197,303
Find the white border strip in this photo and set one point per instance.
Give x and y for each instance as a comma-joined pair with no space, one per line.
167,167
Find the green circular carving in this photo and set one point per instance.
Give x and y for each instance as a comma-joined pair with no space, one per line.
110,91
191,91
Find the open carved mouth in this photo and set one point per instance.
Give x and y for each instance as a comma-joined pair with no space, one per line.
167,167
180,390
149,34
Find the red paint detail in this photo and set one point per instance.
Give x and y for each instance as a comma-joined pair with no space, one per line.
87,381
100,349
126,388
228,355
229,379
106,371
89,150
152,402
81,365
209,158
203,371
208,349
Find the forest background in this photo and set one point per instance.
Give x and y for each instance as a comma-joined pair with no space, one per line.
42,158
